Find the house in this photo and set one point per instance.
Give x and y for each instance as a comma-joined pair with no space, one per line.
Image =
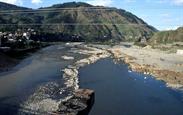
1,35
11,38
26,35
18,33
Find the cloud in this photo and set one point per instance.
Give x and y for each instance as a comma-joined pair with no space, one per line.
172,28
165,15
177,2
167,18
18,2
36,1
129,1
100,2
162,1
174,2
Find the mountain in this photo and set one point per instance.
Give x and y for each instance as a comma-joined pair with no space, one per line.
76,18
167,36
9,15
5,6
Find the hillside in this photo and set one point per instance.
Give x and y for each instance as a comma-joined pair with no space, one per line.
167,36
81,19
5,6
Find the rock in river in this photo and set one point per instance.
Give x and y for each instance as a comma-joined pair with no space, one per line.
79,104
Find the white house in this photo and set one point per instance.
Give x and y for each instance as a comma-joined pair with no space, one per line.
10,35
179,52
1,35
26,35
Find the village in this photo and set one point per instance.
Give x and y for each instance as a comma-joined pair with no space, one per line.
20,39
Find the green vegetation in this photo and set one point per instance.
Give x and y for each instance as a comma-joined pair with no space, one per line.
89,23
166,37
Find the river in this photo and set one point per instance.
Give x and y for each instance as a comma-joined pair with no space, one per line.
38,69
118,91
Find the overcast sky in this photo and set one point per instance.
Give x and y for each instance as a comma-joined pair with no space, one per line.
162,14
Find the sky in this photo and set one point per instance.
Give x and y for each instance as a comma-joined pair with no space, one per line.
162,14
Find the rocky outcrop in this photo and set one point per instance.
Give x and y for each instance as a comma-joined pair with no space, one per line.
79,104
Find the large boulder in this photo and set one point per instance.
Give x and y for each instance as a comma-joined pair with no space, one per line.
80,104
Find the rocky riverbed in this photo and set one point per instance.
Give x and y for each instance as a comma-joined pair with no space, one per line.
80,104
50,97
54,97
162,65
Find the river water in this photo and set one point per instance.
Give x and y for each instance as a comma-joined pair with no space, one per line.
118,91
39,69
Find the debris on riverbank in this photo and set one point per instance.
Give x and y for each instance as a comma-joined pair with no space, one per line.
67,58
44,99
71,72
162,65
82,99
61,97
159,64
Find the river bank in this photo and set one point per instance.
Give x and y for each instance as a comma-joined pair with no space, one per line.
35,79
162,65
11,57
121,92
48,97
64,61
6,62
